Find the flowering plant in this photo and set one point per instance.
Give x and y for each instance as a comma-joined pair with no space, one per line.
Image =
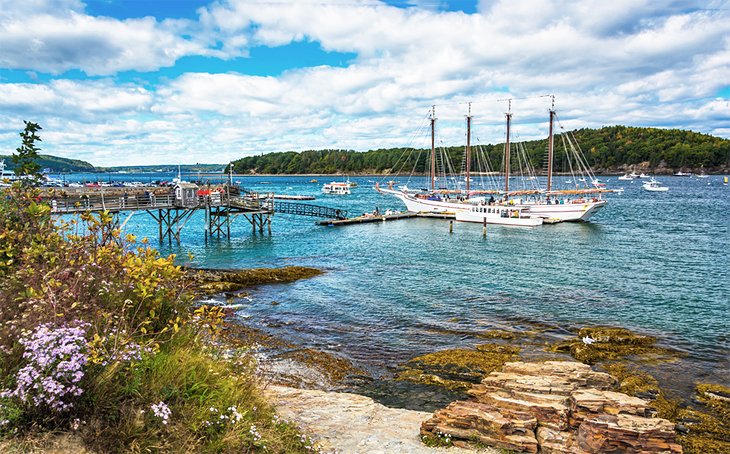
55,358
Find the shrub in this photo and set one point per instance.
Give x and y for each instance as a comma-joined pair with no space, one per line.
96,335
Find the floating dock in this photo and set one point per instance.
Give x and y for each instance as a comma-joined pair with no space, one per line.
293,197
384,218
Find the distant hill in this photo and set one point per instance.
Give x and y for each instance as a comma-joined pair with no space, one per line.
168,168
609,149
56,164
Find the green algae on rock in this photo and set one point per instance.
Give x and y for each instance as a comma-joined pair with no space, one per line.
596,344
209,282
459,368
334,368
632,381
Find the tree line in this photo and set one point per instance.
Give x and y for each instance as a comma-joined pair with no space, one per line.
605,149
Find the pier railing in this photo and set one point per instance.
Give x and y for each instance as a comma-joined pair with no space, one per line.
112,203
305,209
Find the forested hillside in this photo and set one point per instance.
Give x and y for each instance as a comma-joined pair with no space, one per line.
56,164
609,149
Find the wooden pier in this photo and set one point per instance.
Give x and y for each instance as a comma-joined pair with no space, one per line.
172,208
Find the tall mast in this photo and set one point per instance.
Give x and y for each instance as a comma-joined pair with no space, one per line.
550,146
506,148
433,148
468,149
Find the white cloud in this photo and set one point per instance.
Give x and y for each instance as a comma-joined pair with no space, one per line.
621,62
55,40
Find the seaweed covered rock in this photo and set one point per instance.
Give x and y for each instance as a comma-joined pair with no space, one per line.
595,344
209,282
457,368
708,428
553,407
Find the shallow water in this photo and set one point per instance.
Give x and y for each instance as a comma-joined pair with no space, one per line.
656,263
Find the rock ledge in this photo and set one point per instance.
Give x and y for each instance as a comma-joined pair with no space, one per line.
553,407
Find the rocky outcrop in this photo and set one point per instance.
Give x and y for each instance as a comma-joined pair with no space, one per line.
351,424
553,407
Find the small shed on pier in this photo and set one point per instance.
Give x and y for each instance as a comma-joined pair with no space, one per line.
186,194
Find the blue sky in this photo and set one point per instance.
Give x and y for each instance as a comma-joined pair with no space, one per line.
149,82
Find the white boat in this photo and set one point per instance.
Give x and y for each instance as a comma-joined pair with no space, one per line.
576,204
626,177
336,188
567,209
500,214
598,183
633,175
643,175
425,202
683,174
6,174
654,186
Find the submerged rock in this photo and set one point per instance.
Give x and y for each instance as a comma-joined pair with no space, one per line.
601,343
209,281
553,407
457,368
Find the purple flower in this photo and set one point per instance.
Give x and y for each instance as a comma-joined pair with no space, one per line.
56,357
162,411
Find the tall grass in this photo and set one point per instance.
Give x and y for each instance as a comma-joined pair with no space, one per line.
136,373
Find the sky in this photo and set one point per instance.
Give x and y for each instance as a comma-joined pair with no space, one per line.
137,82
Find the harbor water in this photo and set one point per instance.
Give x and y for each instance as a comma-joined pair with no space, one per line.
656,263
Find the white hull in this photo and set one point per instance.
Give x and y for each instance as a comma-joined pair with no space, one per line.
427,206
568,212
656,189
495,218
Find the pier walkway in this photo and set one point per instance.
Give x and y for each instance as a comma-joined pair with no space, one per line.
172,209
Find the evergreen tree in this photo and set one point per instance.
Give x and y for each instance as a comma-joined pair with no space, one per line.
27,155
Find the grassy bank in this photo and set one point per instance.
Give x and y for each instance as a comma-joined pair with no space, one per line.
98,340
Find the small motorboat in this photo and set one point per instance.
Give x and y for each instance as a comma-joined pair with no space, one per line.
654,186
336,188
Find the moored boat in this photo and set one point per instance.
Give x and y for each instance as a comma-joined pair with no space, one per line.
654,186
336,188
578,204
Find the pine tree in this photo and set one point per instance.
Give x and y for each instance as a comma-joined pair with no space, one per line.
27,154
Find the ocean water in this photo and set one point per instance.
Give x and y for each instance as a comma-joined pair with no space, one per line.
656,263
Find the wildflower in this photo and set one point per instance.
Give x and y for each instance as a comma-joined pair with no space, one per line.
162,411
254,432
56,357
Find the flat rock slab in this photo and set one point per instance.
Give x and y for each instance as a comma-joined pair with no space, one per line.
350,423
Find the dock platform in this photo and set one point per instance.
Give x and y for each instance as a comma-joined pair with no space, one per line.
293,197
384,218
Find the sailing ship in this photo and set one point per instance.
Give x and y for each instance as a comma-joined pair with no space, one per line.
558,205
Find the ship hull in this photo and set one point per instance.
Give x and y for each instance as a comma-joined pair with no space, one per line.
567,212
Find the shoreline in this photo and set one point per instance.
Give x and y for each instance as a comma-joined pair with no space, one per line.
432,381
